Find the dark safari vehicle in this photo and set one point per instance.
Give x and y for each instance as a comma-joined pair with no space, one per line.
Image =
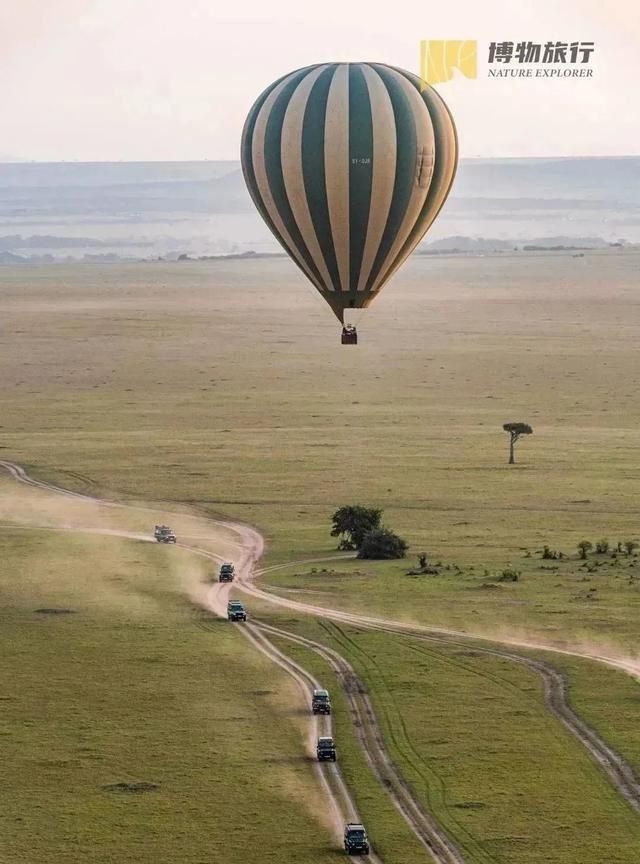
355,839
326,750
236,611
227,572
164,534
320,702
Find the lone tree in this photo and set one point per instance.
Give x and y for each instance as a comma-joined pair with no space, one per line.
352,523
381,543
515,430
584,547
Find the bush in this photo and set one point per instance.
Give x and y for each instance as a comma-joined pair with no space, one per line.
382,544
509,575
602,547
630,546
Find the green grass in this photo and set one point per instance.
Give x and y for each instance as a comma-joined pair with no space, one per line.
135,685
471,735
563,605
201,382
390,836
608,700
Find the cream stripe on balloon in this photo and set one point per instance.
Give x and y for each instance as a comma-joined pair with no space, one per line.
384,165
448,149
425,149
336,166
292,171
262,182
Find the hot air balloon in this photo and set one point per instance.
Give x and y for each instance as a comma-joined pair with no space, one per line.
349,164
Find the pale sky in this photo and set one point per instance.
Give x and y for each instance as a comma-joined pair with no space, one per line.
174,79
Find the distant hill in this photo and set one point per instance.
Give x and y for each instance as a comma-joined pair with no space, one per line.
460,244
162,209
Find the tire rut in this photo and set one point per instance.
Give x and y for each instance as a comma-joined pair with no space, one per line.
617,770
364,720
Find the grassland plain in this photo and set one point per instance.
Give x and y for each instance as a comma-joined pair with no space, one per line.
560,603
608,700
105,591
125,688
222,384
471,735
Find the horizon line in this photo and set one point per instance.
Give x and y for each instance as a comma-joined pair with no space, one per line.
20,161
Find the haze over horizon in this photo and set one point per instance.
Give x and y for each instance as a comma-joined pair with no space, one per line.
87,80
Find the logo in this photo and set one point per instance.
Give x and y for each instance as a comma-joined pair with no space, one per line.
439,57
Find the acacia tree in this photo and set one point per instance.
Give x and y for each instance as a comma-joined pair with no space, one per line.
515,430
584,547
352,523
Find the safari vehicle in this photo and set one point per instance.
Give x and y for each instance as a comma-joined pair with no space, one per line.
356,841
236,611
320,702
227,572
164,534
326,750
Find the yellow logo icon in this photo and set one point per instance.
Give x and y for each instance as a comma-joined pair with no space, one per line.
439,57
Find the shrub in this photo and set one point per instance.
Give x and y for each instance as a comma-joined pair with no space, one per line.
630,546
509,575
381,544
602,547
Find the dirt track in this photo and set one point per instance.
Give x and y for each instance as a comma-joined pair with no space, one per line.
341,804
430,834
370,736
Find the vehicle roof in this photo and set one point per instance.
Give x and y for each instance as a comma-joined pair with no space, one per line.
320,692
354,826
234,603
325,739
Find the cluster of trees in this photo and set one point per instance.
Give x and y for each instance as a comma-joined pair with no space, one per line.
602,547
361,529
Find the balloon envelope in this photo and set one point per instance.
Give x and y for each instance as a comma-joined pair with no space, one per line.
349,164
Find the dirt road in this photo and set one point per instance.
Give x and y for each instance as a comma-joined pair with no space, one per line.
251,545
